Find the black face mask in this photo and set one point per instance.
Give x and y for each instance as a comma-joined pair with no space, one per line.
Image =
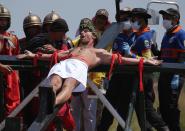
57,44
32,32
4,28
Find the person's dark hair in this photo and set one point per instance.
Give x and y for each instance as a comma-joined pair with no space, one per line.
59,25
140,12
126,10
95,39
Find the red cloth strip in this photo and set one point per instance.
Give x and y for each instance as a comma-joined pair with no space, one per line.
35,59
140,67
115,56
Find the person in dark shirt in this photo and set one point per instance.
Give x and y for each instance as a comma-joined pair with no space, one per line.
170,84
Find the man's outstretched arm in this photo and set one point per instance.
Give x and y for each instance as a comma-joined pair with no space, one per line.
46,57
105,57
30,55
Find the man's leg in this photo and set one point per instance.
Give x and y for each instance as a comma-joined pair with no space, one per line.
152,115
168,102
66,90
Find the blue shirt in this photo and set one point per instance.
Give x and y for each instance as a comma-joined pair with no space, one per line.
173,46
122,43
142,42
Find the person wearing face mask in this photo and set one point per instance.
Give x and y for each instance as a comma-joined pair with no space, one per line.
142,48
125,39
170,84
119,90
55,39
32,27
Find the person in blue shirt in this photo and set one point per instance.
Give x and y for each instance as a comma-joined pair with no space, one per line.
170,84
142,47
131,44
119,89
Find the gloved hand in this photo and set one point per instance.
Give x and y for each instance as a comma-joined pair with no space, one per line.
123,48
175,82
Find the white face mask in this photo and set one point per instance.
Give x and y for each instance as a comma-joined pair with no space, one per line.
167,24
135,25
126,25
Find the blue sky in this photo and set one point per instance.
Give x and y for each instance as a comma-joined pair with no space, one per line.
73,10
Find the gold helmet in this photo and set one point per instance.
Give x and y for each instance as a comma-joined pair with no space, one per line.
49,18
31,20
5,13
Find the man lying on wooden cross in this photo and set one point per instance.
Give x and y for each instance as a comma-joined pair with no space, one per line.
71,71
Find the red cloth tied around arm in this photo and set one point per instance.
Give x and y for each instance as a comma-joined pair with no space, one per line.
35,59
115,56
140,67
54,57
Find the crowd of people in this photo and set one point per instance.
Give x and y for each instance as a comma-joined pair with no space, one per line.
71,60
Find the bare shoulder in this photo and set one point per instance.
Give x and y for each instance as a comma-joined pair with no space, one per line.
99,50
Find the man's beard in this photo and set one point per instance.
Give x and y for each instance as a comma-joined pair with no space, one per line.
84,42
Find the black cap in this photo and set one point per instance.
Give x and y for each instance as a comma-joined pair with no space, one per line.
140,12
59,25
125,11
171,12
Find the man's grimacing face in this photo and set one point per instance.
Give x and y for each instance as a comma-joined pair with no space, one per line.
86,36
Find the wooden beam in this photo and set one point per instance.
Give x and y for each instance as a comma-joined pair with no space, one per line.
47,112
105,102
164,67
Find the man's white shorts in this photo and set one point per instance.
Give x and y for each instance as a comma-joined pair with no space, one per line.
73,68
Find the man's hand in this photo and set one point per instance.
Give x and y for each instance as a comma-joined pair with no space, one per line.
5,69
27,54
152,62
49,48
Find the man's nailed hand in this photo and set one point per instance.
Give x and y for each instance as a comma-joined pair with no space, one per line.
152,62
27,55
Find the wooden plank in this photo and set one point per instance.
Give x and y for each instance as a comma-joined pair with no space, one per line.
21,105
132,102
46,112
6,59
106,103
13,124
41,126
13,61
2,102
164,67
